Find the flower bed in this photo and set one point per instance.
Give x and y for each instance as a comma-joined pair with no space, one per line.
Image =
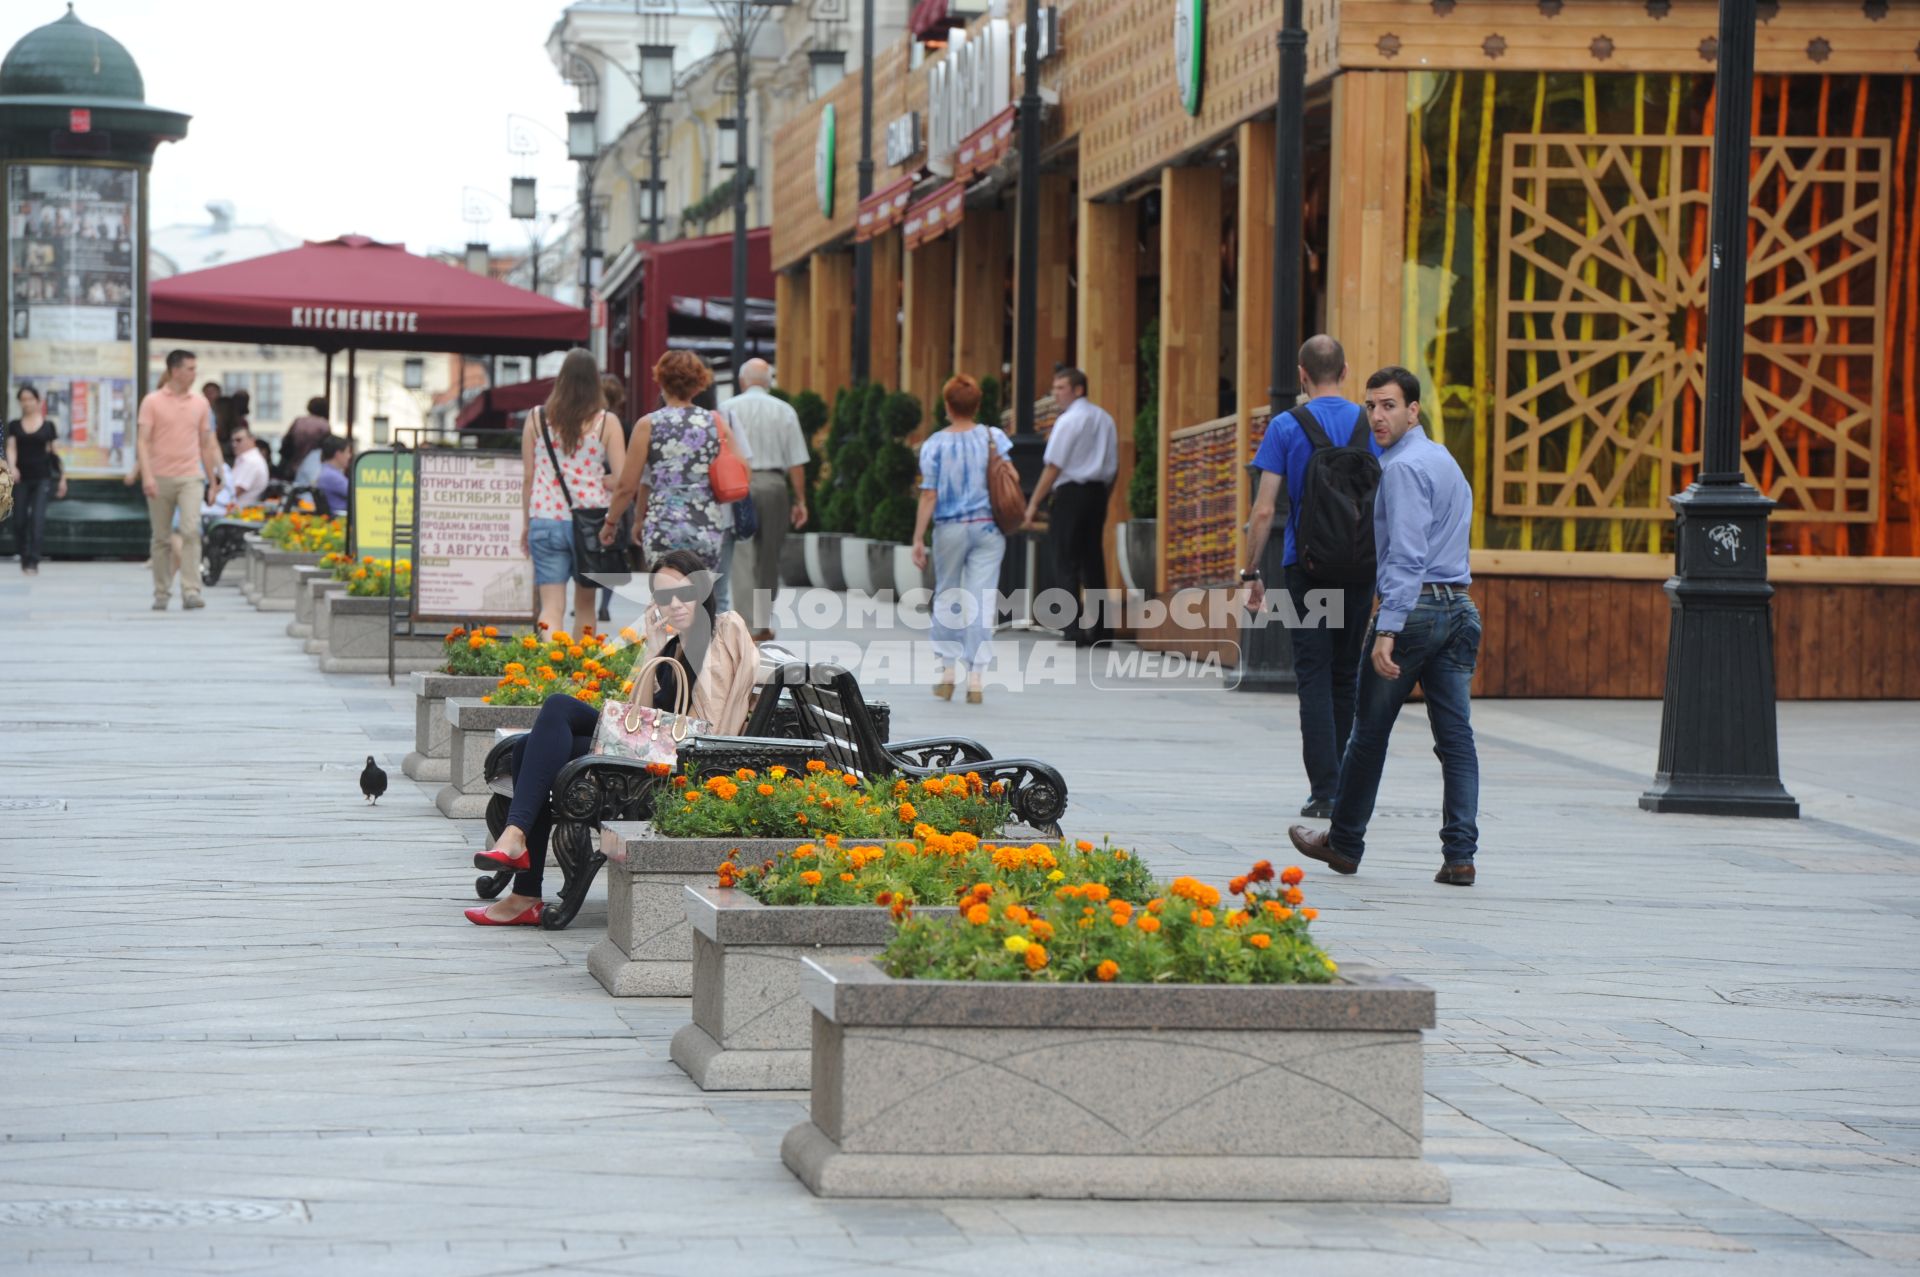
821,801
751,1027
305,533
1178,1050
590,669
1083,931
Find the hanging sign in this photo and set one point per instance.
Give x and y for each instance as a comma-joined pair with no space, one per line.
903,139
467,562
823,160
1189,51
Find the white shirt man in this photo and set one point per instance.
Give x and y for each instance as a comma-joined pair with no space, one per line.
249,470
1082,457
769,430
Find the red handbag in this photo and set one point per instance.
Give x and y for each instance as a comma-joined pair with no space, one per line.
728,475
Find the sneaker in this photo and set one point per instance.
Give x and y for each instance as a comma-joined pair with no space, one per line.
191,602
1318,809
159,605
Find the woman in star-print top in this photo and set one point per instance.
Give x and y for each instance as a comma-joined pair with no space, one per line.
587,441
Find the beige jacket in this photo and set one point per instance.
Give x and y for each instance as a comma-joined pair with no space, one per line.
721,692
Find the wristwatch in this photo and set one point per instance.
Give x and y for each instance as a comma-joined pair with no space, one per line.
1249,574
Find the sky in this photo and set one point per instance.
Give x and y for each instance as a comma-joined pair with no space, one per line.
351,116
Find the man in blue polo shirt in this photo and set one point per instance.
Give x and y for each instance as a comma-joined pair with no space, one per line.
1326,658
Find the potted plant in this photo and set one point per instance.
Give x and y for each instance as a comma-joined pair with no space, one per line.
852,458
751,1028
1184,1049
1136,539
890,496
834,496
812,411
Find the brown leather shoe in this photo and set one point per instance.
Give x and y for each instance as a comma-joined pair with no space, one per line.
1460,875
1315,845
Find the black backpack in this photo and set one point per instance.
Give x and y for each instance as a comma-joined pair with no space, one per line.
1335,537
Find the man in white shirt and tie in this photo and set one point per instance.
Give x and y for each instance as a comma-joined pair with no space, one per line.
1083,453
778,455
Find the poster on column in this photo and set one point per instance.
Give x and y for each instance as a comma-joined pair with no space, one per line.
73,306
469,564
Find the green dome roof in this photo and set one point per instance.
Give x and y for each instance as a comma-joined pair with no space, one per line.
69,59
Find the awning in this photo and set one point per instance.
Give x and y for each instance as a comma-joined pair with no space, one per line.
883,210
502,401
931,21
935,215
355,293
985,147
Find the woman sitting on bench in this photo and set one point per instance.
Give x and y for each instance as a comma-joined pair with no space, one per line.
712,650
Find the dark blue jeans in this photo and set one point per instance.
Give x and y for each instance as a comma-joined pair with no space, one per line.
30,519
1437,649
1326,662
562,732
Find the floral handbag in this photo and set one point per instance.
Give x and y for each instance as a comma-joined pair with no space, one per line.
642,732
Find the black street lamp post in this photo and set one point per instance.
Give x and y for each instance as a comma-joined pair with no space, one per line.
1266,649
863,250
1719,738
742,20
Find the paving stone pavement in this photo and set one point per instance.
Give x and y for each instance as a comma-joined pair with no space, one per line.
244,1028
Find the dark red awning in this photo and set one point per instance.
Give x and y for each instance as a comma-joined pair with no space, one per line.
929,20
354,292
503,401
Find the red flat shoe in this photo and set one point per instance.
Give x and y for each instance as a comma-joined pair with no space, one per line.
498,859
530,917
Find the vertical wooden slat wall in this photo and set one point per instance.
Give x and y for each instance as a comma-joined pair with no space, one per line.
831,311
1253,369
927,337
1367,218
1190,200
883,350
1109,276
983,253
792,325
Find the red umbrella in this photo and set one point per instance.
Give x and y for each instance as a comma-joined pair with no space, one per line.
354,293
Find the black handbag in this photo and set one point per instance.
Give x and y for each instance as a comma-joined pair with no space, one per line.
746,519
590,558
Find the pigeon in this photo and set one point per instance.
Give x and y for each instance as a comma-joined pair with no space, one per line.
373,781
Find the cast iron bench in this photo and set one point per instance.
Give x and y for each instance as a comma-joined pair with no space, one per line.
593,790
226,539
833,710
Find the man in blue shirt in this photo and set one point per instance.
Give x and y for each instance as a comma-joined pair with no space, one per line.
1427,631
1326,655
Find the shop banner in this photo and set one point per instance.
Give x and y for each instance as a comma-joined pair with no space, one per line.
380,498
884,210
73,306
468,564
935,215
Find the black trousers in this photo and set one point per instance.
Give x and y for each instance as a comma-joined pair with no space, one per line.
1078,522
562,732
30,518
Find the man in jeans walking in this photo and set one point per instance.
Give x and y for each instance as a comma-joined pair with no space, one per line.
1326,655
1427,631
177,457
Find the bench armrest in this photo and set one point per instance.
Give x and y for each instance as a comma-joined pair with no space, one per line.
940,751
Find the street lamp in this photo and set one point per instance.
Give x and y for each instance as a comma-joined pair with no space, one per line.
583,137
479,258
1719,734
729,148
863,249
742,20
521,201
656,74
825,68
655,83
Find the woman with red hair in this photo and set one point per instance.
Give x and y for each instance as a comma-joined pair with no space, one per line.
667,465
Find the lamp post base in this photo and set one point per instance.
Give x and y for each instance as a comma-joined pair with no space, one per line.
1738,796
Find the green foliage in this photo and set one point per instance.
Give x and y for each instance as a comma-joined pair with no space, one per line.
781,395
989,401
812,411
1143,489
892,519
903,415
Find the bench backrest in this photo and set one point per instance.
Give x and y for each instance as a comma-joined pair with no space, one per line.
832,709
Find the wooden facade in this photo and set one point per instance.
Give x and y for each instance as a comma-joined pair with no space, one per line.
1505,196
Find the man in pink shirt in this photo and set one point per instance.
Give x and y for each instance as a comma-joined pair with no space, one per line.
177,457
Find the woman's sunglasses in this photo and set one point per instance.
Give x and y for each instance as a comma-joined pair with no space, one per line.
670,594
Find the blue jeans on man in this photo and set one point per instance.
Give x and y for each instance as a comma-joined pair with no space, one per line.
1438,648
1326,666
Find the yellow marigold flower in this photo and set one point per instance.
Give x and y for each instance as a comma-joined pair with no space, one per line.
1259,939
1332,966
626,688
811,877
1107,970
778,773
1035,957
978,915
1057,875
1017,944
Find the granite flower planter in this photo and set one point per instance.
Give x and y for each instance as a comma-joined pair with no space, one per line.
301,626
648,948
793,561
752,1030
320,588
472,728
942,1089
823,561
274,592
255,565
855,567
356,640
432,733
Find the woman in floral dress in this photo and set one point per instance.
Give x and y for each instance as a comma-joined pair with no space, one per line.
667,465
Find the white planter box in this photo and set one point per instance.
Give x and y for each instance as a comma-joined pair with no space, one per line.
944,1089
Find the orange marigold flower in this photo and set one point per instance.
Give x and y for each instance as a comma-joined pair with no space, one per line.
458,631
800,819
1155,905
584,696
884,897
1309,914
486,700
1237,918
1017,914
1293,895
978,915
1203,917
1292,875
1106,971
658,769
1149,924
765,791
846,877
1041,928
1083,846
1119,855
815,765
1035,957
529,642
1095,891
476,643
680,782
1237,887
1262,871
907,812
513,667
692,795
492,632
1259,939
745,773
850,780
811,877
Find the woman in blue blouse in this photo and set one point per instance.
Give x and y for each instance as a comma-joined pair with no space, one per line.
967,546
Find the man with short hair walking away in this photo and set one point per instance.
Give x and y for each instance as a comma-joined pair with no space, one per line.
1427,631
176,458
1083,454
778,448
1326,655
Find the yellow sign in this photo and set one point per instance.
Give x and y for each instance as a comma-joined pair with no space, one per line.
378,501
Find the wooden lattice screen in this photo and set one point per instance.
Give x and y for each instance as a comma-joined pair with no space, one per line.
1203,467
1601,336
